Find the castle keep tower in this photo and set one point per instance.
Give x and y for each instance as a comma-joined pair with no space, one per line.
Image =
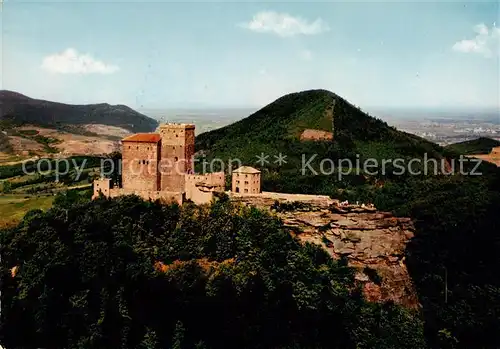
141,153
177,152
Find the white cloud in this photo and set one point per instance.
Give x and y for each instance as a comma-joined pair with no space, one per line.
284,25
486,42
70,61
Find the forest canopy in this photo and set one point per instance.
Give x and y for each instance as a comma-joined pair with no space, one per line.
124,273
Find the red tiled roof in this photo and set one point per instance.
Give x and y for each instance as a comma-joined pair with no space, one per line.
143,137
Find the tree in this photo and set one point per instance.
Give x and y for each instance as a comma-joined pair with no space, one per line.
150,340
7,187
178,336
128,273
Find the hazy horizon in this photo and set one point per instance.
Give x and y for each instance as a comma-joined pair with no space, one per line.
207,119
398,113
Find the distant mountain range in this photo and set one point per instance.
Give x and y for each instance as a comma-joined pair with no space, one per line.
443,115
19,109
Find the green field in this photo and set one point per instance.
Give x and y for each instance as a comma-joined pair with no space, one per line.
14,207
20,193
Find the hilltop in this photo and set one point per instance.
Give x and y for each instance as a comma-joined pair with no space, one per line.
18,109
435,203
482,145
308,123
291,118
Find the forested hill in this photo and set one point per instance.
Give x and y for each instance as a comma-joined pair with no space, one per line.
18,109
130,274
452,213
279,127
482,145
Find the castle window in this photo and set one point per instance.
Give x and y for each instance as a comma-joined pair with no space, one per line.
176,158
237,189
129,146
246,190
246,182
136,147
246,176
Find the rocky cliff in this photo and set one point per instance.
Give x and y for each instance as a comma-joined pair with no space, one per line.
372,241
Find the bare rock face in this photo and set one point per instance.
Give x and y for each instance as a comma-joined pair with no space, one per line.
372,241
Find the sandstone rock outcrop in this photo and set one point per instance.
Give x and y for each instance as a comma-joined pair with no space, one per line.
370,240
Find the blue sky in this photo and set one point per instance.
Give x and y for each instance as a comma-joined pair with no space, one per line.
246,54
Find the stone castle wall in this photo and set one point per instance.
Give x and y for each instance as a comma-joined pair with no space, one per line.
170,197
215,182
103,186
201,195
139,165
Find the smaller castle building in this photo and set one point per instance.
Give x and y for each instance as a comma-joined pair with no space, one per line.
246,180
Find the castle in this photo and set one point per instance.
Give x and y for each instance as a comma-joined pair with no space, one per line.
160,166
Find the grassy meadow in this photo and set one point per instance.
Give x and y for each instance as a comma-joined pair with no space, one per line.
20,192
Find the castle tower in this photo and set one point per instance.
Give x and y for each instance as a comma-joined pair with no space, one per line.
140,156
177,152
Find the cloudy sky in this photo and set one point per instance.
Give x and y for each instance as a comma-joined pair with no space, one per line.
245,54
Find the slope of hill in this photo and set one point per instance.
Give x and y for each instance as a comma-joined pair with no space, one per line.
17,109
450,212
280,128
224,276
482,145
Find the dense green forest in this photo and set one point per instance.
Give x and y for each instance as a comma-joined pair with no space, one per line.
126,273
231,276
480,145
453,259
457,241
